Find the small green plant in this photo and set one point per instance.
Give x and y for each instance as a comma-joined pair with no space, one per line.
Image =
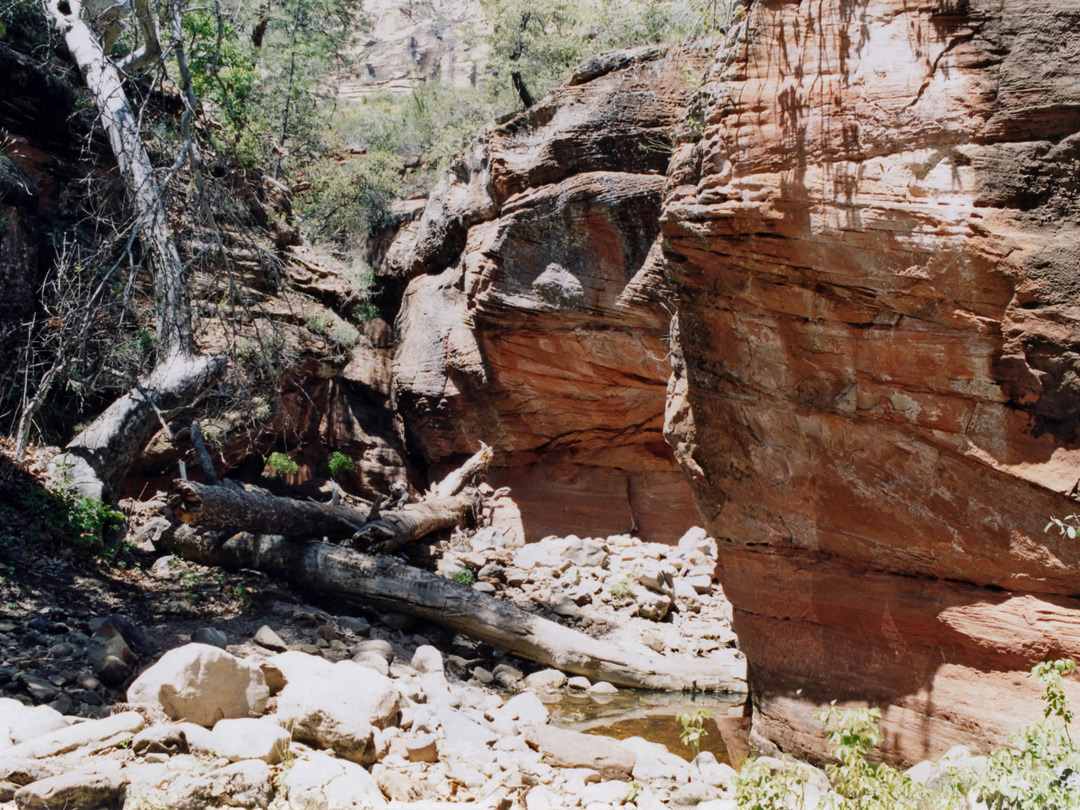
243,598
466,575
633,790
190,581
1043,771
693,728
1066,526
318,323
859,784
89,518
281,465
761,787
623,589
340,465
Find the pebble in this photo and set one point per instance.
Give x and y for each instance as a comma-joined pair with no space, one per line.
266,637
211,636
40,688
354,624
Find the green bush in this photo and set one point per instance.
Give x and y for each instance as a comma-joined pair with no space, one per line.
1039,771
466,575
340,464
89,518
281,465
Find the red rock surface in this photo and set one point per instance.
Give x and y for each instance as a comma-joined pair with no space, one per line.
874,245
534,319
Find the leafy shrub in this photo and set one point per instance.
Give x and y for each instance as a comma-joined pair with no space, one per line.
623,589
1041,771
89,518
281,465
858,783
466,575
340,464
340,332
693,728
760,787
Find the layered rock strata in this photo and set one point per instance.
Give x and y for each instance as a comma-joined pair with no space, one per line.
873,237
534,315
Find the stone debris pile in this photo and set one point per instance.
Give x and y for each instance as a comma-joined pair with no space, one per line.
328,712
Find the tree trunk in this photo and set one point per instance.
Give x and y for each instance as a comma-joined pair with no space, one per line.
95,461
220,507
121,125
361,578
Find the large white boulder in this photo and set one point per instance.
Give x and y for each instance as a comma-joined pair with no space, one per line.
250,738
201,684
295,665
320,782
97,785
339,709
19,723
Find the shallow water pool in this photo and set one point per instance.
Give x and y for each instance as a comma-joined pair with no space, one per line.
652,715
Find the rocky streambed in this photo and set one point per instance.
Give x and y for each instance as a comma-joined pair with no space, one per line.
322,710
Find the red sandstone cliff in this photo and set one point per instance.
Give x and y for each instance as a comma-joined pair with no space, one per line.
534,315
874,245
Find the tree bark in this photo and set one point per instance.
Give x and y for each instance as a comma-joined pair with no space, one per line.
96,460
474,467
219,507
121,125
235,509
356,577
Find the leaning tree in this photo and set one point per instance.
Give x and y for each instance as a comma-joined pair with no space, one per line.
98,458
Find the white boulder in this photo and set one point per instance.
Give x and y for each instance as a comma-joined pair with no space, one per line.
340,709
201,684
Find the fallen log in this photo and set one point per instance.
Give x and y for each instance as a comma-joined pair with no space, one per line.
391,530
475,466
361,578
236,509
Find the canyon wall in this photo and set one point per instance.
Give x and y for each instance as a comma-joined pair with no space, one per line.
534,315
872,232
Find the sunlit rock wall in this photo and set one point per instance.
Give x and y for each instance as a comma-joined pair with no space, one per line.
535,317
874,243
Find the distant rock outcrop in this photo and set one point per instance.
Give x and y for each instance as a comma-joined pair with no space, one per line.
535,315
408,42
875,248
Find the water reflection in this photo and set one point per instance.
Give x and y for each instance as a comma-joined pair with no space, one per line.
652,715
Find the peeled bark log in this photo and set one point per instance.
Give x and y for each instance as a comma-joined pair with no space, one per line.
121,125
473,468
95,462
219,507
353,576
97,459
234,509
394,529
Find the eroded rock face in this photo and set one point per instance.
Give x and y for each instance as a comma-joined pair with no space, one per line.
874,245
534,315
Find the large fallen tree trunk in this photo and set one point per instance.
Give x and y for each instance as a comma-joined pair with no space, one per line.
365,579
235,509
94,463
220,507
96,460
